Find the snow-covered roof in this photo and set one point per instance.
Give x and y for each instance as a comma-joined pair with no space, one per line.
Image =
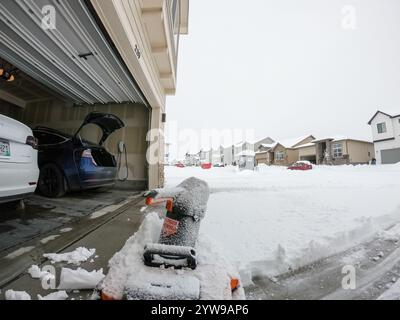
247,153
290,143
339,138
306,145
268,145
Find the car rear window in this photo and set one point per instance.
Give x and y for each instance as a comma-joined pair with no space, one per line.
47,138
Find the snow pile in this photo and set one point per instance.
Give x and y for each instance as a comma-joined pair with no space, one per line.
213,270
80,279
59,295
392,234
275,219
393,293
75,257
17,295
36,273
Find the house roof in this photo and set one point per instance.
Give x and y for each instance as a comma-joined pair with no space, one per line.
291,143
391,114
247,153
268,145
307,145
338,138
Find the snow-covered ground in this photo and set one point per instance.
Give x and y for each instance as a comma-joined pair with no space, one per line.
274,219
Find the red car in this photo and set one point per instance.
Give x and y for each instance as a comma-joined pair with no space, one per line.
301,165
180,165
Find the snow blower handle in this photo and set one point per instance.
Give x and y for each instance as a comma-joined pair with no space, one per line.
151,200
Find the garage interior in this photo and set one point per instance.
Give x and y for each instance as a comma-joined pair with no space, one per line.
60,75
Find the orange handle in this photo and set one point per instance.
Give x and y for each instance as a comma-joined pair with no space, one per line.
170,202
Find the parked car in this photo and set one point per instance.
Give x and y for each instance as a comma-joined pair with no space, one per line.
19,170
301,165
180,165
69,163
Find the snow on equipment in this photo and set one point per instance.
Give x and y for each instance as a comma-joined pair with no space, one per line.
186,207
160,262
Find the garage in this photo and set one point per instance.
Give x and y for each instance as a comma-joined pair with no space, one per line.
60,75
390,156
54,78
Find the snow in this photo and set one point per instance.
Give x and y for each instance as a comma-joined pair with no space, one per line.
66,230
36,273
291,142
246,153
102,212
59,295
17,295
75,257
150,284
275,219
49,239
213,269
80,279
19,252
393,293
391,234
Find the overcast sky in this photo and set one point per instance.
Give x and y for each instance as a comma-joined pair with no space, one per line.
288,68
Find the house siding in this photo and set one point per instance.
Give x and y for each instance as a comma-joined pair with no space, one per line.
360,152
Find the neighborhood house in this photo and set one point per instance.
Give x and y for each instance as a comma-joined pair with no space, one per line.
386,135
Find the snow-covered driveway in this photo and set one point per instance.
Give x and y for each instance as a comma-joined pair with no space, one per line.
274,219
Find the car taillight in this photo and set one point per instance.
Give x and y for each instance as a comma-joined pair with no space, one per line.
32,141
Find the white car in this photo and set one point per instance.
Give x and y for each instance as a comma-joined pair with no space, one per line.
19,170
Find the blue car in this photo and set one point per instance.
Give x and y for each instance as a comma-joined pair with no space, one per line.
69,163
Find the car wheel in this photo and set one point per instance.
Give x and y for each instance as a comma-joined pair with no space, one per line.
51,181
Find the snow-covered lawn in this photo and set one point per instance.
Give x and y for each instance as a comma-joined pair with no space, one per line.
274,219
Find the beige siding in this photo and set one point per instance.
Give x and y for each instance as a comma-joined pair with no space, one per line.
307,151
290,156
359,152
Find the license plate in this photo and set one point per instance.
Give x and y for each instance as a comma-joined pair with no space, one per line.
5,149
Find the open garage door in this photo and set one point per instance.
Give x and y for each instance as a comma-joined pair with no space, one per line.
63,74
390,156
74,59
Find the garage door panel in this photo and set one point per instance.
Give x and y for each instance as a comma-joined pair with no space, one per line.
55,55
390,156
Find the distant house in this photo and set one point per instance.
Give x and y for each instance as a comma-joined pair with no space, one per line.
217,155
249,147
386,136
263,156
192,159
205,156
228,155
342,150
283,152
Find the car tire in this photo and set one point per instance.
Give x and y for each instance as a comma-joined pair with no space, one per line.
52,182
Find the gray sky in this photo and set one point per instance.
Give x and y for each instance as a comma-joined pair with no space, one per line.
288,68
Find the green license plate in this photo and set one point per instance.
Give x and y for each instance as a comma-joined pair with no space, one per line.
5,149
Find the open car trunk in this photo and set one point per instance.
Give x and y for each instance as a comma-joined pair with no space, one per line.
108,123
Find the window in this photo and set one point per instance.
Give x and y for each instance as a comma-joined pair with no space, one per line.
280,156
337,149
47,138
382,127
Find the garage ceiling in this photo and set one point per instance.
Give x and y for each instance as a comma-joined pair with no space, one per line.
54,57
